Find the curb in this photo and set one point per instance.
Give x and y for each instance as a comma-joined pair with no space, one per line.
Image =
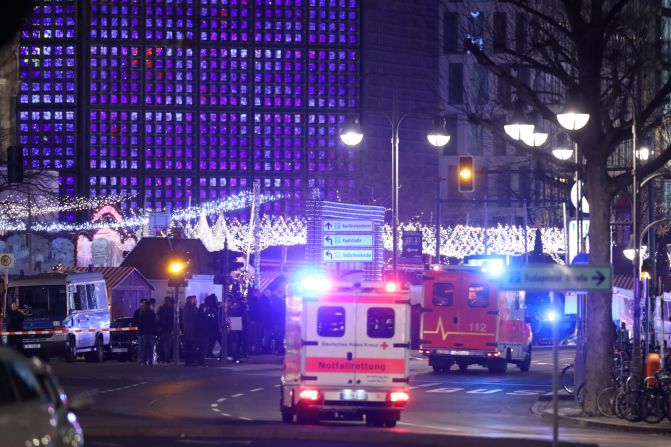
572,416
277,431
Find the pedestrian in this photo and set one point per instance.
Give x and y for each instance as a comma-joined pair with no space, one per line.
202,334
189,325
235,333
137,311
147,329
15,318
266,322
254,321
278,309
213,330
166,324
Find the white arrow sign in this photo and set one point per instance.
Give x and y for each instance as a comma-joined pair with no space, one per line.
348,255
350,240
347,225
557,277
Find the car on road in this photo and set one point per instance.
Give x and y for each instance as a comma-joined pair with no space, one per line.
123,343
34,410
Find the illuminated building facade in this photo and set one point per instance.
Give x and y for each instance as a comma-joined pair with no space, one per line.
183,101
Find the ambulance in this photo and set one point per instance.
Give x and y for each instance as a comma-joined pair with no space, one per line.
347,351
467,321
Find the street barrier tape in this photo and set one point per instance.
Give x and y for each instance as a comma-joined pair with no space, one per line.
70,331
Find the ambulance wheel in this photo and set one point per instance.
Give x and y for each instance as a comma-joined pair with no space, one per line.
374,420
463,367
525,364
287,416
305,417
390,423
498,366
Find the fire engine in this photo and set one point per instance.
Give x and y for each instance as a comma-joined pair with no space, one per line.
347,351
466,320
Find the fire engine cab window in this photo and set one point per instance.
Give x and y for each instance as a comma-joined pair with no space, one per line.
478,295
331,321
443,294
380,322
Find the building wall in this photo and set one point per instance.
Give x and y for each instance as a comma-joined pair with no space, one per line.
184,101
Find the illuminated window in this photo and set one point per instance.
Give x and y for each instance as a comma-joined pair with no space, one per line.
52,20
224,141
332,79
171,20
224,20
224,77
278,79
333,23
278,22
47,74
169,141
48,138
115,20
115,75
169,76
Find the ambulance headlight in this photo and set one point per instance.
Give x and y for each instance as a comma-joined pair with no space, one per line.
391,286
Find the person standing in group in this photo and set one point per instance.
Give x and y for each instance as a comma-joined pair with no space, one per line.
266,322
166,325
202,334
254,329
147,329
213,330
15,317
190,333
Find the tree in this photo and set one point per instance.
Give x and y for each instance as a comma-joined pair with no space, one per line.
605,52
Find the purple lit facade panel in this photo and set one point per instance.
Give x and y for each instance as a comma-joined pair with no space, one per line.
192,100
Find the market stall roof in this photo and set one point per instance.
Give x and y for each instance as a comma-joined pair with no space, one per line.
113,275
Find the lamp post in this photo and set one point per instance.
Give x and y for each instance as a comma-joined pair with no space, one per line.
573,118
176,269
352,135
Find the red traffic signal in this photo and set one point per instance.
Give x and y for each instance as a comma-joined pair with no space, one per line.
466,174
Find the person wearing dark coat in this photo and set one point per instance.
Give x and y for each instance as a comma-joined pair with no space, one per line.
166,325
15,317
190,335
202,334
147,330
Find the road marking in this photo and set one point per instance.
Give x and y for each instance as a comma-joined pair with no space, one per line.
433,427
255,390
238,395
425,385
525,393
221,399
484,391
245,419
216,409
225,414
277,386
214,405
444,390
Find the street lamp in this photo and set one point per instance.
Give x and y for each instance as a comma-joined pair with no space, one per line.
573,117
176,271
519,126
537,137
351,135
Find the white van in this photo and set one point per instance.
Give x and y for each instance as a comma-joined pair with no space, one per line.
70,311
347,350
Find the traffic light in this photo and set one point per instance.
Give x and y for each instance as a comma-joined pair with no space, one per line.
466,174
14,164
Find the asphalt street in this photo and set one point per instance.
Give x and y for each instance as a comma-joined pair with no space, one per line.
238,404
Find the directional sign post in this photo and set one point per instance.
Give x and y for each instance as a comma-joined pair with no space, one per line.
348,255
557,277
361,226
353,240
561,278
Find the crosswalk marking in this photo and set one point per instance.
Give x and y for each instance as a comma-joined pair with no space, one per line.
484,391
444,390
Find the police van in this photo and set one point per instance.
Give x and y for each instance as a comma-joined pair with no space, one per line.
347,351
66,314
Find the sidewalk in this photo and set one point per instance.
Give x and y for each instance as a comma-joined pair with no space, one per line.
571,414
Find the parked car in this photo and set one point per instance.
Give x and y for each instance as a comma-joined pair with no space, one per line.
123,344
34,410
